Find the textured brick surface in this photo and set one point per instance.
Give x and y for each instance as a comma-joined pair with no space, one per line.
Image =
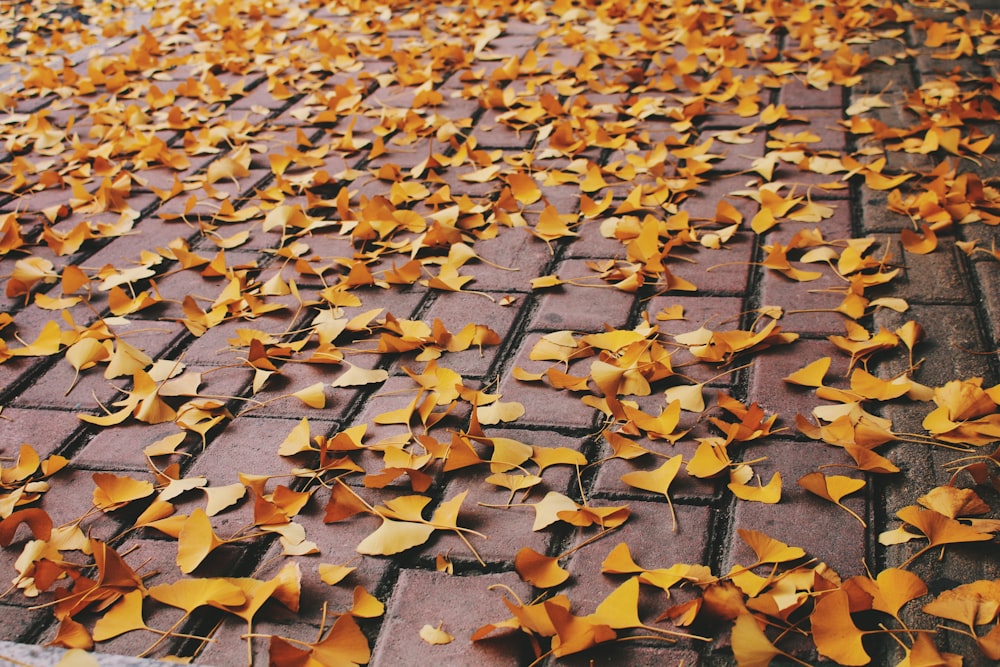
395,133
570,306
436,593
45,430
834,536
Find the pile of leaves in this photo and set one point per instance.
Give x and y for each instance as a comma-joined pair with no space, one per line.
156,128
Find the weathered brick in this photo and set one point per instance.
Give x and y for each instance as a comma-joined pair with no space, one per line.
45,430
937,277
716,272
652,543
512,249
771,392
951,346
808,306
543,405
428,598
121,447
798,95
840,543
738,157
570,307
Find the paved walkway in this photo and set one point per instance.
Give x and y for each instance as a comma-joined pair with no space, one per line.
311,303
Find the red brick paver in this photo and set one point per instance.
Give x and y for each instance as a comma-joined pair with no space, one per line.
298,191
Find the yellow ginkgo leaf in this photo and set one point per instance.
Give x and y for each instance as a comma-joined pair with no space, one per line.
435,636
334,574
689,396
313,396
768,549
833,488
810,375
769,493
834,633
657,481
539,570
498,412
356,376
393,537
114,492
196,541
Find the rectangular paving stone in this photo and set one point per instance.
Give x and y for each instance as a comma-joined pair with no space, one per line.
512,249
570,307
423,598
950,348
771,392
798,95
937,277
121,447
716,272
507,529
45,430
648,534
835,537
820,297
543,405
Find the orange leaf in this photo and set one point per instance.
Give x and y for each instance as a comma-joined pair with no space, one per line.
657,481
768,549
620,609
919,244
769,493
124,616
195,541
114,492
834,633
189,594
751,647
811,375
539,570
976,603
833,488
573,633
939,529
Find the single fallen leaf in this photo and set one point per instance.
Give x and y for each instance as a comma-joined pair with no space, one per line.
938,529
768,549
435,636
972,604
334,574
365,604
919,244
196,541
833,488
113,492
313,396
539,570
657,481
356,376
834,633
394,536
769,493
751,647
547,510
811,375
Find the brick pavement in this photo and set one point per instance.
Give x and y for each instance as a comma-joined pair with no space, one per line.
266,196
